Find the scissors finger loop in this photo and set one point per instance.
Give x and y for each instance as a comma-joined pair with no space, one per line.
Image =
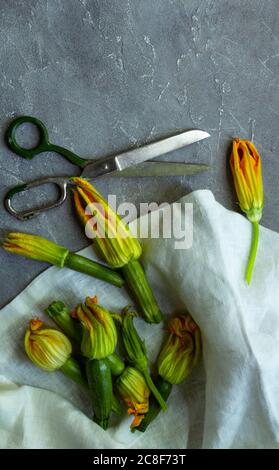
26,215
43,144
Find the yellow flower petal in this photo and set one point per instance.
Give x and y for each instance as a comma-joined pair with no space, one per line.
245,163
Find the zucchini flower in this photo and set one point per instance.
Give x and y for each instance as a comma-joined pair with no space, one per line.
41,249
51,350
133,390
181,351
113,236
179,355
136,354
119,248
99,335
245,163
46,347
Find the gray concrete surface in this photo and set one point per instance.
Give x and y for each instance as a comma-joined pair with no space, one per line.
106,75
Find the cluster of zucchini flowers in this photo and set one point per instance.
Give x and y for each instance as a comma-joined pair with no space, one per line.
84,349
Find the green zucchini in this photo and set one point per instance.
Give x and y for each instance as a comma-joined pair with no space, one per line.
116,364
100,386
164,388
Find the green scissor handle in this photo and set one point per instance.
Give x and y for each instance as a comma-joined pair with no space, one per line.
43,146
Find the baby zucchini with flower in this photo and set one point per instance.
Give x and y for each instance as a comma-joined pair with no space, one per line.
41,249
99,339
120,249
179,355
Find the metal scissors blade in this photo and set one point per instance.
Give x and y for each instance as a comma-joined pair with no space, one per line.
125,160
157,168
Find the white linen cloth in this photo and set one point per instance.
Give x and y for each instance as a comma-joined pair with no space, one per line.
234,404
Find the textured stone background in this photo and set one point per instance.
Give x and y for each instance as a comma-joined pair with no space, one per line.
109,74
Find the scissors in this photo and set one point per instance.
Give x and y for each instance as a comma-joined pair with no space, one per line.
133,162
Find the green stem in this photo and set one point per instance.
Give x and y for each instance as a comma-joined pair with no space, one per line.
154,390
72,369
253,252
87,266
139,286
